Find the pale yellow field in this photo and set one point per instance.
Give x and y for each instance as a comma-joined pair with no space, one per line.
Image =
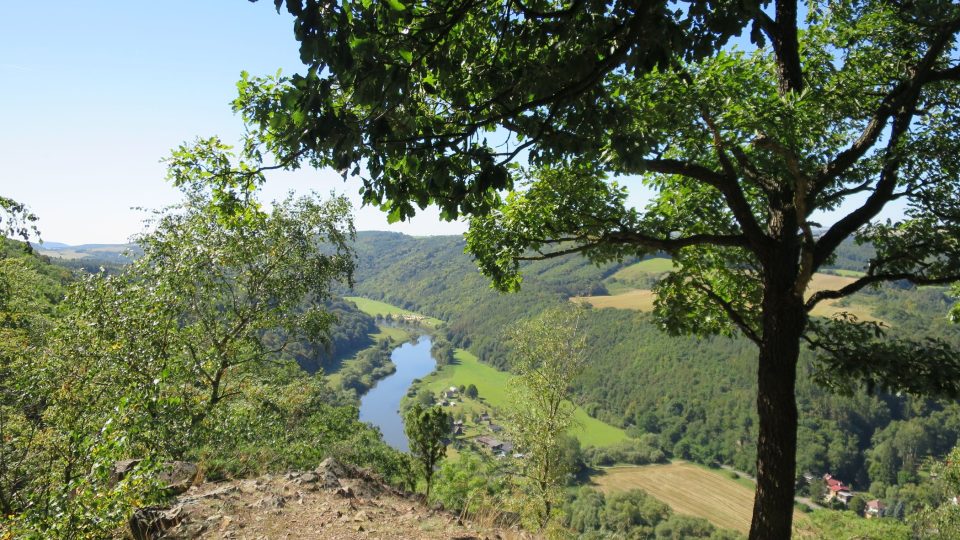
828,308
689,489
637,299
822,282
642,299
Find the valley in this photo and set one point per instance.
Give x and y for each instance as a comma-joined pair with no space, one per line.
642,394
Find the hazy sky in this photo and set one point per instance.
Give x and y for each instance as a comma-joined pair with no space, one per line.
94,93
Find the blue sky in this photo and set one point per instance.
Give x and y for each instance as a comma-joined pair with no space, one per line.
93,94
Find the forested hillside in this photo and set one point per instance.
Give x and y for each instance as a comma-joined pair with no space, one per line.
695,395
349,334
173,365
432,275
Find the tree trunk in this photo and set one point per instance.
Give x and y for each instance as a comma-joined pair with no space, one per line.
784,320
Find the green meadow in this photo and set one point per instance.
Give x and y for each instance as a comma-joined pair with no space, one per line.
492,385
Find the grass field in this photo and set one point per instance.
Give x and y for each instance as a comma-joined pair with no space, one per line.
375,307
492,387
656,265
689,489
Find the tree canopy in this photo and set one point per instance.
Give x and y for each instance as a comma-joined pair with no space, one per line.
845,107
427,429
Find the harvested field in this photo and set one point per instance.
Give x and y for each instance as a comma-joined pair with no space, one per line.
688,489
637,299
642,299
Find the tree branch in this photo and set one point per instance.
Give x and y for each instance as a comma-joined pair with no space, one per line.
877,278
782,33
883,193
633,238
891,103
726,185
732,313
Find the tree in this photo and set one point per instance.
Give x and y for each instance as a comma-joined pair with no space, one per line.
25,315
177,352
17,220
471,391
199,303
941,520
549,352
427,430
845,108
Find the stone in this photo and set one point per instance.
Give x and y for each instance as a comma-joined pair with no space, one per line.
178,476
270,501
329,473
121,469
150,522
306,478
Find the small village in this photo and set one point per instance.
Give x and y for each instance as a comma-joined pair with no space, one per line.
474,424
836,492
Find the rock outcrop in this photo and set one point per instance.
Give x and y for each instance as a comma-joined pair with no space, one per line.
332,501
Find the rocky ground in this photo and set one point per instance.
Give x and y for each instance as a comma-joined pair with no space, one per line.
333,501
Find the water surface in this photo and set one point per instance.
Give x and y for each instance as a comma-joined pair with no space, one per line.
380,406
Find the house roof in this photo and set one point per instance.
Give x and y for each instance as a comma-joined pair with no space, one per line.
489,441
876,504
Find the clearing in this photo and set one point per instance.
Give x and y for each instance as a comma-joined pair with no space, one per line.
492,385
689,489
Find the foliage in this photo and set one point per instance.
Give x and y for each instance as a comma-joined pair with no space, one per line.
196,305
548,353
369,366
642,451
393,85
632,514
849,526
25,317
349,334
742,149
469,483
180,354
17,220
427,430
941,519
442,351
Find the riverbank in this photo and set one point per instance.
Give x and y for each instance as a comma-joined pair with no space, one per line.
395,326
492,384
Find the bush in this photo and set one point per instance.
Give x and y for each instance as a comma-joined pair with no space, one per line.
642,451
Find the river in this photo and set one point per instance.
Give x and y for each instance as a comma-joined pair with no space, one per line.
380,406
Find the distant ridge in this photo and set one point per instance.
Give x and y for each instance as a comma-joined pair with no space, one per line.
53,245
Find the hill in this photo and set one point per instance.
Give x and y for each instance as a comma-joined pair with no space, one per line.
90,255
